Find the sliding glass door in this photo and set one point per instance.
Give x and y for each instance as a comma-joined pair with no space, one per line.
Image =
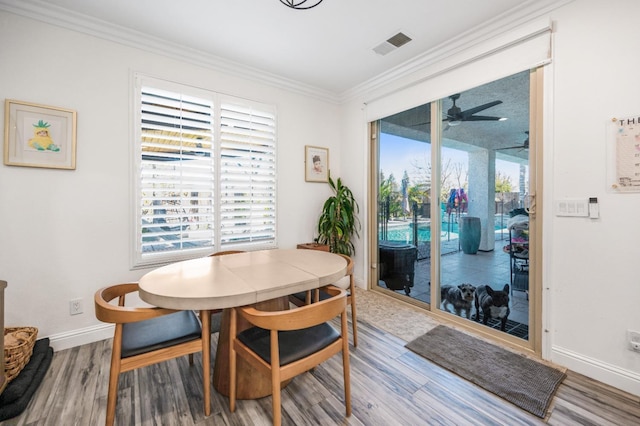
452,189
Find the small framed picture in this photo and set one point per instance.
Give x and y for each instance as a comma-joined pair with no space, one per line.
316,164
39,136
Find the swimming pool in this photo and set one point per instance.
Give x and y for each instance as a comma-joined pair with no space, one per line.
404,233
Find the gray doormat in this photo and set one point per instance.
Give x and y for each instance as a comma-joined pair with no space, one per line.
524,382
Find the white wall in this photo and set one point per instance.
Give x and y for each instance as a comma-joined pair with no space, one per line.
591,286
67,233
594,288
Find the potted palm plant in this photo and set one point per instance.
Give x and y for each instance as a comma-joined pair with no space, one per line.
339,221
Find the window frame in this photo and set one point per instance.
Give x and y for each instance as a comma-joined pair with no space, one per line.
265,164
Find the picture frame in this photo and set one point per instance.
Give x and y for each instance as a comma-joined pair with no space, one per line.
39,135
316,164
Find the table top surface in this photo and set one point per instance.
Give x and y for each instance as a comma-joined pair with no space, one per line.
217,282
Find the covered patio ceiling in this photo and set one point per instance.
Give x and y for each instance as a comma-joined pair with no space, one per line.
470,136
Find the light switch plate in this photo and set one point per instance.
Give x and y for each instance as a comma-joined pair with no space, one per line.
572,207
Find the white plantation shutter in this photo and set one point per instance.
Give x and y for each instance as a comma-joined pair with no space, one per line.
247,175
176,171
206,173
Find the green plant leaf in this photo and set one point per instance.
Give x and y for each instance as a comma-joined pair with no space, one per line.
338,220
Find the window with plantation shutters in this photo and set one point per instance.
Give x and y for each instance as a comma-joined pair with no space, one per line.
247,175
205,173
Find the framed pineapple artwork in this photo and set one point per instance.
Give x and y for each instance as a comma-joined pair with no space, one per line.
39,136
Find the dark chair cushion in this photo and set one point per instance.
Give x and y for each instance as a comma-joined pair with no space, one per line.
294,345
161,332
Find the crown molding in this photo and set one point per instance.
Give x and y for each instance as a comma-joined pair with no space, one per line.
508,21
61,17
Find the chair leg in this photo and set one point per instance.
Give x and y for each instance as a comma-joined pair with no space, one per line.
232,361
206,360
275,379
354,323
114,374
276,397
346,365
112,394
354,318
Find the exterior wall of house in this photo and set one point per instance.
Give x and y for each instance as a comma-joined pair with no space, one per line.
591,288
67,233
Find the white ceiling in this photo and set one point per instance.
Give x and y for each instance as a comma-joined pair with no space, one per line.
327,48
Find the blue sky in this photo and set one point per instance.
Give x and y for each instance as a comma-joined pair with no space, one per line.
398,154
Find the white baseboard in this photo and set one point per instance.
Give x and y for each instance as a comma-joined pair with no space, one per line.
80,337
626,380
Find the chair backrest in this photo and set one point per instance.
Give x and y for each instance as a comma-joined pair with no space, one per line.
225,252
349,263
301,317
120,314
345,282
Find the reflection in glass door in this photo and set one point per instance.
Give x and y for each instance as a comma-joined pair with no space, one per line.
404,204
461,224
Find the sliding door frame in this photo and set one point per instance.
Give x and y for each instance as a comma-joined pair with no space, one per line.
533,203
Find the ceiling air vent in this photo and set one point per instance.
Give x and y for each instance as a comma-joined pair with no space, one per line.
392,44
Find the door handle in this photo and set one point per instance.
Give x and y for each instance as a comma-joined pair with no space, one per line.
530,204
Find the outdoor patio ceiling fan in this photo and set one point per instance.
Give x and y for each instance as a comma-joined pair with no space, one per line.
525,144
455,115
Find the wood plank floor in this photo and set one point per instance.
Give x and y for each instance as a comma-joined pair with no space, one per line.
390,386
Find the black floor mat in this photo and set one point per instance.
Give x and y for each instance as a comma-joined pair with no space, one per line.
19,391
512,327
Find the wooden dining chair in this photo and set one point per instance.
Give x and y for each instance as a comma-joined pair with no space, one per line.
303,298
143,336
290,342
226,252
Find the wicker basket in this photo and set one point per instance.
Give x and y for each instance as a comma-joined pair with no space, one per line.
18,354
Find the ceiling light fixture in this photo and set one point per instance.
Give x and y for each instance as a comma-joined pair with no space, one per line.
301,4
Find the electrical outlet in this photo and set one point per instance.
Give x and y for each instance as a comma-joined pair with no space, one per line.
75,306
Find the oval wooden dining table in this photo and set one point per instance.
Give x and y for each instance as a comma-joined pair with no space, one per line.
264,278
